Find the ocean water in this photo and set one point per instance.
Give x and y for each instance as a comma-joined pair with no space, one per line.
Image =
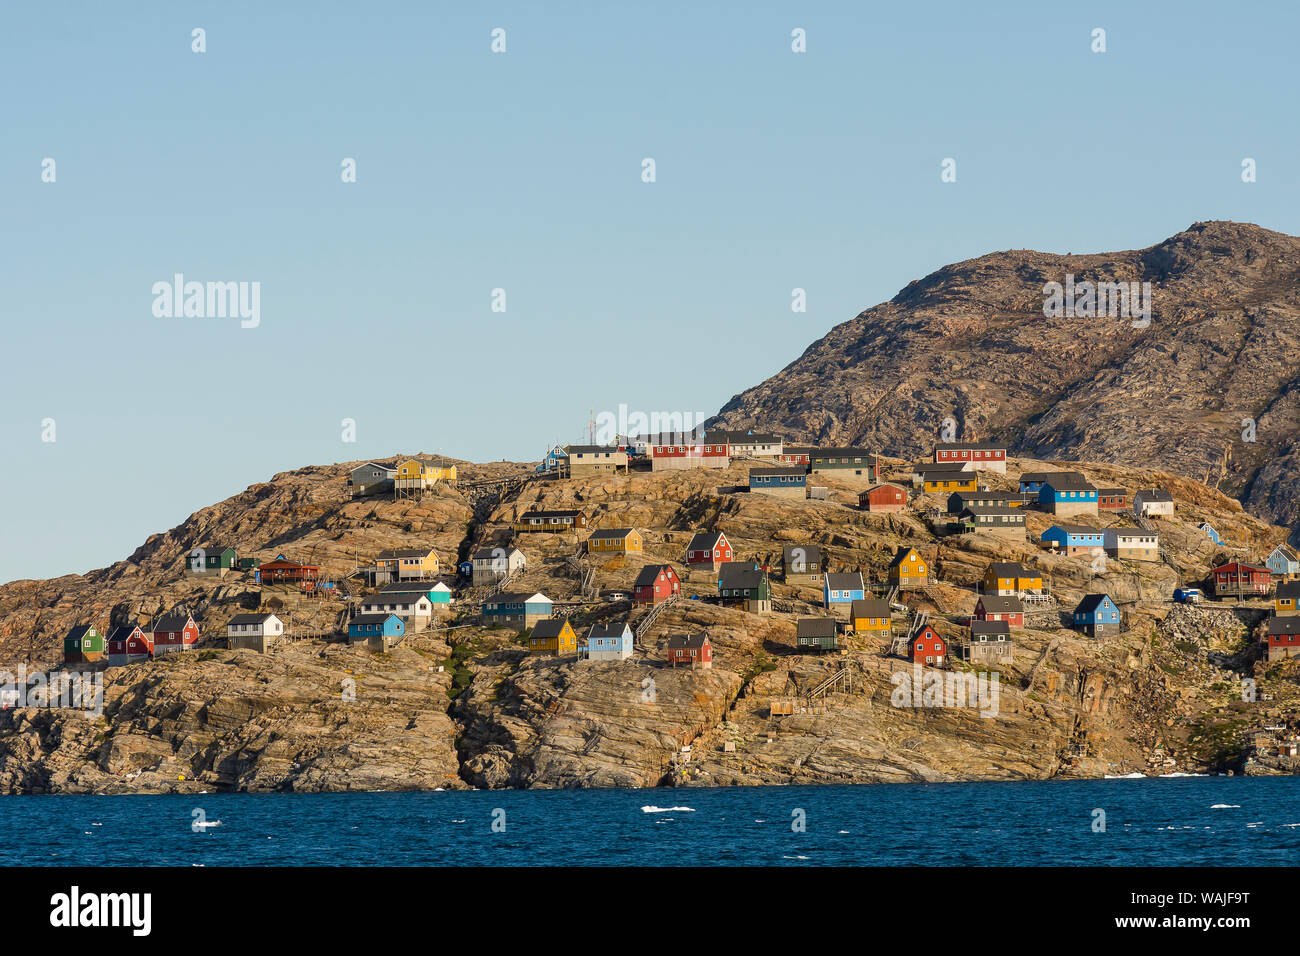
1148,822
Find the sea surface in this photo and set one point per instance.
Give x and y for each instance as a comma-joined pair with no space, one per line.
1147,822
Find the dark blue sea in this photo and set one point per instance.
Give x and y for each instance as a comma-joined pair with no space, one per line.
1149,822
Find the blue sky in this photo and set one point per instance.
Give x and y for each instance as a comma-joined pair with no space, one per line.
522,171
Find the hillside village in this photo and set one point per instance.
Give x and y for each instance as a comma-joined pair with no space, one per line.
714,608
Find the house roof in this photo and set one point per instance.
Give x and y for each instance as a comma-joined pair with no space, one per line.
883,484
172,622
1011,569
989,627
978,510
1154,494
704,541
741,438
606,629
1288,589
1287,552
487,554
250,618
1036,477
1289,624
1091,602
551,627
845,581
215,548
687,641
1000,604
405,553
970,445
1069,481
869,607
614,533
594,449
124,631
942,467
812,554
1111,491
841,453
776,472
1075,529
517,597
901,555
816,627
744,578
372,618
650,573
408,587
549,514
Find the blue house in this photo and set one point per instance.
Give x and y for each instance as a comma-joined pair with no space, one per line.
1097,616
1283,562
516,609
1210,532
375,625
465,569
1031,482
789,482
552,460
843,588
609,642
1068,493
1072,538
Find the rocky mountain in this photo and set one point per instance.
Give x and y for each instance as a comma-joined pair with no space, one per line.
1209,388
461,705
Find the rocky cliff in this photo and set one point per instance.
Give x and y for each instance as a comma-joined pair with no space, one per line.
1210,388
461,705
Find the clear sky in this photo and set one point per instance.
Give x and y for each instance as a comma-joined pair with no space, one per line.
522,171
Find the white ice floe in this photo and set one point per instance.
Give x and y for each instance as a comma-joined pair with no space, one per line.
667,809
1226,806
1126,776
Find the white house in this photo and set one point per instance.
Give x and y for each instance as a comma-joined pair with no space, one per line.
253,631
407,603
493,564
1153,501
1133,544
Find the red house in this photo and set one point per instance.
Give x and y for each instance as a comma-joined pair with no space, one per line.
129,643
174,633
981,455
796,454
655,584
709,549
690,454
1112,499
996,607
282,569
1237,579
928,647
884,497
692,649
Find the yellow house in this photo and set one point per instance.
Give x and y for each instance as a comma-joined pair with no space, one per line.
909,569
1286,600
553,637
619,540
871,617
421,473
1009,578
959,481
404,564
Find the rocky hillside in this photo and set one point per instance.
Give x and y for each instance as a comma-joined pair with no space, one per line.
970,342
461,705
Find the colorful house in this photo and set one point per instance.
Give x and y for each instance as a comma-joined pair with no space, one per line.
439,594
553,637
531,521
946,478
1153,502
796,454
1286,599
174,633
779,482
213,559
583,460
517,610
676,452
1074,538
927,647
655,584
1240,580
854,465
1031,482
414,476
748,444
609,641
409,602
1111,499
886,497
745,584
1133,544
959,501
1097,616
1283,562
129,643
871,616
282,570
989,642
614,541
372,478
490,565
817,633
993,519
83,644
998,607
406,564
842,589
1283,638
981,456
253,632
909,569
366,626
801,564
692,649
1068,493
1011,579
708,549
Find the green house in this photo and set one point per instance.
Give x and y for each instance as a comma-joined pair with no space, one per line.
213,558
816,634
83,643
